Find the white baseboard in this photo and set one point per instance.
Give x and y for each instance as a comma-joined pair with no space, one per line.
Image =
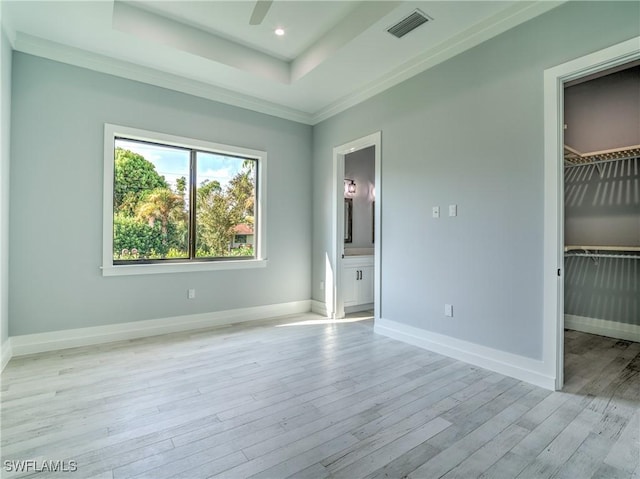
513,365
6,354
71,338
613,329
319,307
358,308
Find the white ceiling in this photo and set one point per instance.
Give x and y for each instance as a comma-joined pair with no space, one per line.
334,53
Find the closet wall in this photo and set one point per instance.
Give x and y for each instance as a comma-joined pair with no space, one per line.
603,112
602,206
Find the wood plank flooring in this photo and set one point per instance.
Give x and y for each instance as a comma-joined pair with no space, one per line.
304,397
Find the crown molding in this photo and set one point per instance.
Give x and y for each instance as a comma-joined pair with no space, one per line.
469,38
92,61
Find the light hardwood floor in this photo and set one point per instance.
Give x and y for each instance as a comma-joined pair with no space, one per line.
306,398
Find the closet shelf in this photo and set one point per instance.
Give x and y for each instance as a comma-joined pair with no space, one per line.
630,249
575,158
631,252
602,255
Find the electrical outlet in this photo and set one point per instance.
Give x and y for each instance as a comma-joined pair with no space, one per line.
191,294
448,310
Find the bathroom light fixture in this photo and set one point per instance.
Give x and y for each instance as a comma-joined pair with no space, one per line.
279,31
349,186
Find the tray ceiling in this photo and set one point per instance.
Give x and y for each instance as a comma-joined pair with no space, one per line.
333,55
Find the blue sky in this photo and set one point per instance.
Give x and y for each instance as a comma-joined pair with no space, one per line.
172,163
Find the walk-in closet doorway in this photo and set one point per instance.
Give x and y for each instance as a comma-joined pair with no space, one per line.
601,215
592,234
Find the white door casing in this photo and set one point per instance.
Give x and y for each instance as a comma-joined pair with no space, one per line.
336,310
553,287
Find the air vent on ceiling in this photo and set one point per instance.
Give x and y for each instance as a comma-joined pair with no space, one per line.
408,24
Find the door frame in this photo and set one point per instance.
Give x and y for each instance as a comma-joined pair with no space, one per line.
339,153
553,294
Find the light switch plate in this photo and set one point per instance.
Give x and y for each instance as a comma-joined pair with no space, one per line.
435,212
453,210
448,310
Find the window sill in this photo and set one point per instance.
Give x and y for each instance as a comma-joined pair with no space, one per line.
193,267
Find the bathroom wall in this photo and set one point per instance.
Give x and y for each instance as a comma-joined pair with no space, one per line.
360,167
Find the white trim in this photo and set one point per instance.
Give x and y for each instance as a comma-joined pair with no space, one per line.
338,228
320,308
109,269
6,355
377,213
71,338
612,329
339,152
356,308
553,289
513,365
187,267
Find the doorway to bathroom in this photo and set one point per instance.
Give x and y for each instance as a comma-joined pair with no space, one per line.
357,226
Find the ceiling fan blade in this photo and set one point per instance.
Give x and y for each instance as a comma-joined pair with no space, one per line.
260,11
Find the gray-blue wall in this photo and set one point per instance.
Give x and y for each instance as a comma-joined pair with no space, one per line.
58,120
469,132
5,117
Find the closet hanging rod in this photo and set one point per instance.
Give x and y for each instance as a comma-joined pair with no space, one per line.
569,164
604,255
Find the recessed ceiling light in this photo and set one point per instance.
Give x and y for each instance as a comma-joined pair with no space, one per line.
279,31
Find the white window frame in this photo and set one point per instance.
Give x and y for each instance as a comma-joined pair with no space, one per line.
111,269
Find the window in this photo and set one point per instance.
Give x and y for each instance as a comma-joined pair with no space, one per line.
174,204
